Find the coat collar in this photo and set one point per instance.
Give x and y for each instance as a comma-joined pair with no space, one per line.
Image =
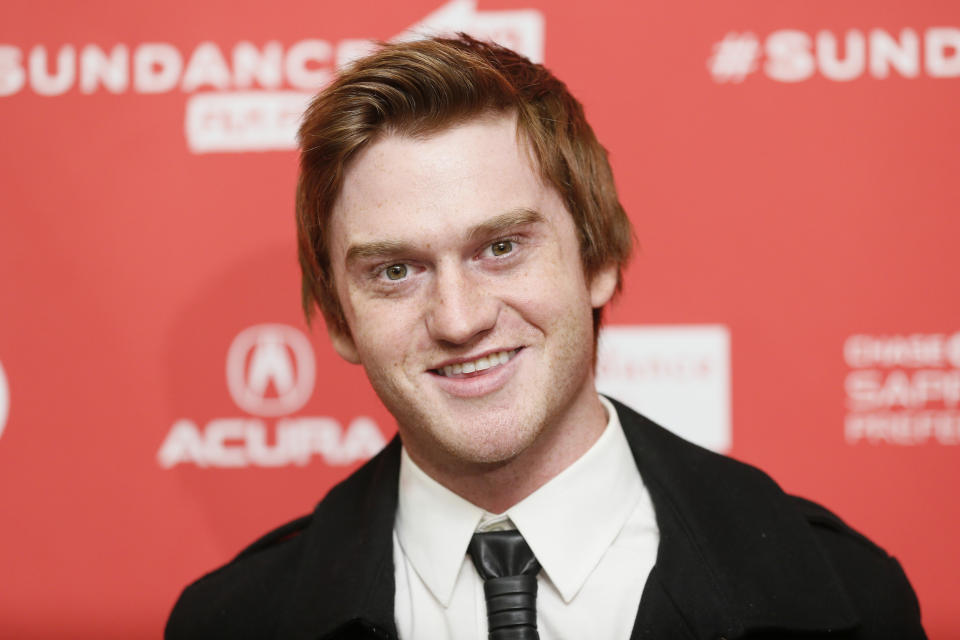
345,580
735,555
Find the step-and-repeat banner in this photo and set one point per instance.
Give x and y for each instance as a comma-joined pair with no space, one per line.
792,170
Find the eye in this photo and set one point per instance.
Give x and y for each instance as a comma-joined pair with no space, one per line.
501,247
396,271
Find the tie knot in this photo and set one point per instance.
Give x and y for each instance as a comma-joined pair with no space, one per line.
498,554
509,570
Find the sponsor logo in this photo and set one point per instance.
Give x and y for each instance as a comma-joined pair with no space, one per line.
247,97
270,373
270,355
791,55
678,376
902,389
4,399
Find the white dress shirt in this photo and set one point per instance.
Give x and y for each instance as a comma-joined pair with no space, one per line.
592,528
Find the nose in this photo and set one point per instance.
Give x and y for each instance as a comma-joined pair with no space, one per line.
461,309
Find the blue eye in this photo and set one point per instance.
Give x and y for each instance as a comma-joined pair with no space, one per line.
501,248
396,271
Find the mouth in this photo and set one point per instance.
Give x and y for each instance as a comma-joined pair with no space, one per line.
477,366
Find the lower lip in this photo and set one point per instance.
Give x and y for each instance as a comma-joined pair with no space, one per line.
473,386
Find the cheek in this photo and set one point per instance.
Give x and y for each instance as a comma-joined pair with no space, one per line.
554,286
384,330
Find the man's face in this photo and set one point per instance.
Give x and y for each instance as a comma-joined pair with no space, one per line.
460,277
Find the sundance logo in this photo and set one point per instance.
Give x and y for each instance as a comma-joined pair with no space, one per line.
270,373
246,96
790,55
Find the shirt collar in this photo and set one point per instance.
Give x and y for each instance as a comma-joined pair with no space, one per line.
572,520
434,526
569,522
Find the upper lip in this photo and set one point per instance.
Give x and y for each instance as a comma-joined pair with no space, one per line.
453,361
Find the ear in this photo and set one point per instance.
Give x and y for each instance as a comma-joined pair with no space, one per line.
344,345
603,285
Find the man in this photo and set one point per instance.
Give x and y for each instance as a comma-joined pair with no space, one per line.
460,231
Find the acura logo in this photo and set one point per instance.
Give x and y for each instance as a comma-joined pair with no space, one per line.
270,370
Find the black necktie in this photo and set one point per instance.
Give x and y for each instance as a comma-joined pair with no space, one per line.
509,571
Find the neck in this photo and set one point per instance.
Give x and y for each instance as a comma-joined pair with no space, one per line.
497,486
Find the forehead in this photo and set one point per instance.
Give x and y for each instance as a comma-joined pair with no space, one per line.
450,179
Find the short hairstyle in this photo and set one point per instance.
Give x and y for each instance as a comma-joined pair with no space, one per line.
421,87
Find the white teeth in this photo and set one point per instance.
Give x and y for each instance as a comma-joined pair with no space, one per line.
480,364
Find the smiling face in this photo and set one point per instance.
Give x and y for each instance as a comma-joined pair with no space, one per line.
461,281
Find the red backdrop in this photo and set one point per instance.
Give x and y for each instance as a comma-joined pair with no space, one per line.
791,170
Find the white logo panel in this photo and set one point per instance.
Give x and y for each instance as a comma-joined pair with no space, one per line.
4,399
517,29
244,121
269,356
678,376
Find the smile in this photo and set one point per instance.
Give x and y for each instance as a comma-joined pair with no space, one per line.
489,361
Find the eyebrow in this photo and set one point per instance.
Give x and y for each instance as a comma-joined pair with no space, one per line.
489,228
504,222
376,249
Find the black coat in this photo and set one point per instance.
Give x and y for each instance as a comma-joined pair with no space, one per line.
738,558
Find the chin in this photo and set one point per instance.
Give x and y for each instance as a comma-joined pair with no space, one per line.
478,436
491,444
